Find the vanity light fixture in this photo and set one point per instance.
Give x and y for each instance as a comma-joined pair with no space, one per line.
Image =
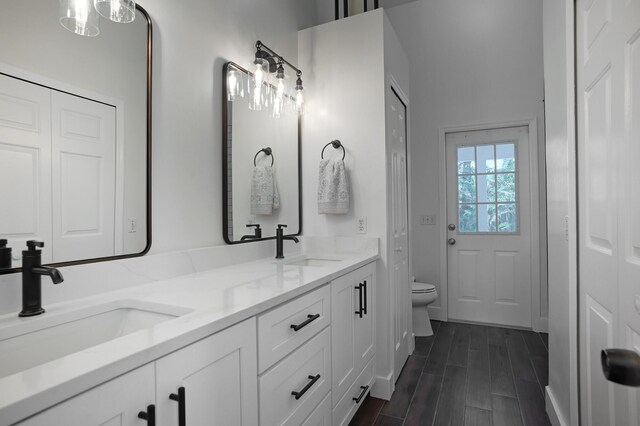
79,16
82,17
299,95
234,84
121,11
262,93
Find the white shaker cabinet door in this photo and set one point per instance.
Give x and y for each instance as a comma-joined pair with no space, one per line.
114,403
218,375
352,334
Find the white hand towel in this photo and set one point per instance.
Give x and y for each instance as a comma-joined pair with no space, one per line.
264,191
333,188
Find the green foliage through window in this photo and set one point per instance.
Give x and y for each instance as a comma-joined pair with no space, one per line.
487,192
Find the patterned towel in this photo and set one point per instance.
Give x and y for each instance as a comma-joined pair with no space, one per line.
333,188
264,191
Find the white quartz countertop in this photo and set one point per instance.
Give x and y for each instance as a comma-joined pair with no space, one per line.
216,299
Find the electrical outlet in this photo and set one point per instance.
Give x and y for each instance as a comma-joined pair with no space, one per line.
428,219
361,225
133,226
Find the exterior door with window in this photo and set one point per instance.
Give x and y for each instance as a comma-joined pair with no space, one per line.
489,231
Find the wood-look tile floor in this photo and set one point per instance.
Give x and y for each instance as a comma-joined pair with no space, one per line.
467,375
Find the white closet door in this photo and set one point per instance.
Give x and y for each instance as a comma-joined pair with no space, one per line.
83,166
25,163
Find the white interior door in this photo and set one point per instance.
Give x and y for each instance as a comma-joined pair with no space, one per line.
25,164
84,177
489,226
400,288
608,80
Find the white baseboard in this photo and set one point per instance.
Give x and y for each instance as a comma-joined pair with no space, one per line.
383,387
435,313
555,415
412,343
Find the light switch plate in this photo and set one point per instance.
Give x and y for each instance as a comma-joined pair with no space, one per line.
361,225
428,219
133,226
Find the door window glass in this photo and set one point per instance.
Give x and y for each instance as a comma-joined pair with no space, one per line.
487,188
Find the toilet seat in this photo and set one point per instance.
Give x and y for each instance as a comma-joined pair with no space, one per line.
420,288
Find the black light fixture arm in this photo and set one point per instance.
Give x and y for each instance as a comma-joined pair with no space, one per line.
261,46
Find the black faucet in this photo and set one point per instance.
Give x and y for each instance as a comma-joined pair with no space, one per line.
279,240
5,255
257,233
32,272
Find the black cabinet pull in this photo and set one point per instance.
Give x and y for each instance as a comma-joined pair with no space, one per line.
149,415
361,310
181,398
365,297
304,390
310,319
359,397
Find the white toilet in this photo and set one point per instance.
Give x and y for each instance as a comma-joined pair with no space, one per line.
422,295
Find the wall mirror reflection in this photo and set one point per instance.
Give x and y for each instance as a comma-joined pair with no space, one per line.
261,158
74,136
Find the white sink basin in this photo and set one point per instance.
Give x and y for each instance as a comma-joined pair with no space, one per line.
317,261
26,343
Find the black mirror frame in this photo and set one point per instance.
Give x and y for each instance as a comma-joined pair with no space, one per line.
225,165
149,163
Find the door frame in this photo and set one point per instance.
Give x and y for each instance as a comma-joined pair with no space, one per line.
393,88
536,320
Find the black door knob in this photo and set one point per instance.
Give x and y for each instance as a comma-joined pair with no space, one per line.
621,366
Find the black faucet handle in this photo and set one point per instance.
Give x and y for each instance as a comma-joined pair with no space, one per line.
280,226
32,244
256,225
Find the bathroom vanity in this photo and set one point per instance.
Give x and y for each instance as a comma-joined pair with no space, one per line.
265,342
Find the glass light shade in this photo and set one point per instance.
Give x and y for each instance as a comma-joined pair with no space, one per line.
79,16
235,86
299,101
122,11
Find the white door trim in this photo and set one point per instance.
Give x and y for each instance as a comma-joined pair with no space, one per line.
534,210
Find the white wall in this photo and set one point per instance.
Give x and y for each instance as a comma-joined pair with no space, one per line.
346,101
560,116
471,62
192,42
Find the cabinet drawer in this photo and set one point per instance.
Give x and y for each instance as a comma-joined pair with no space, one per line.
277,336
348,406
297,373
321,416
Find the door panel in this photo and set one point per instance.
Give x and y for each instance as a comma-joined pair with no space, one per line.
608,91
25,163
84,153
488,207
400,287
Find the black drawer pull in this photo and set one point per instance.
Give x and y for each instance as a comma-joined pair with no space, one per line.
360,311
310,319
181,398
304,390
362,394
149,415
365,297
